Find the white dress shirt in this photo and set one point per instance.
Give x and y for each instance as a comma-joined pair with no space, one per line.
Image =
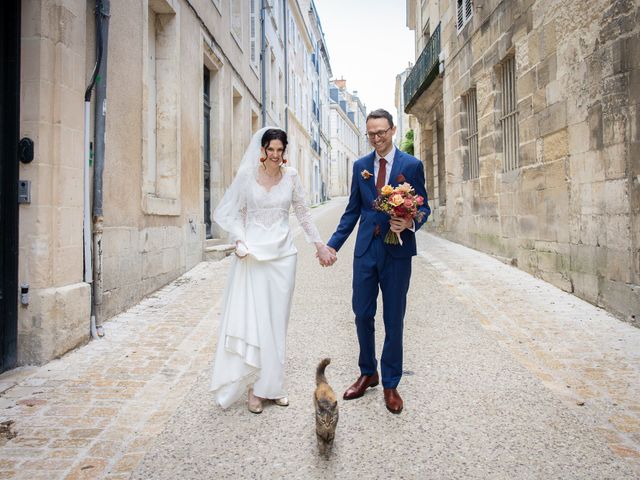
389,158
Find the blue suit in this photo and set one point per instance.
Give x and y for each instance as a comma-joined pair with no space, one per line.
377,264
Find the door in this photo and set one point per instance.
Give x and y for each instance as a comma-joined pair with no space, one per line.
9,132
207,151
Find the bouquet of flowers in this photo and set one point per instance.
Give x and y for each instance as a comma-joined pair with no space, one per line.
398,202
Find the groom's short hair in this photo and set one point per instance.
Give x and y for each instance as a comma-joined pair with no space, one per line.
381,113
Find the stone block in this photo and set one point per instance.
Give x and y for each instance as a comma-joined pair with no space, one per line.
56,321
151,239
527,154
592,230
619,265
618,228
539,100
595,127
527,226
546,71
526,84
558,279
617,201
614,159
527,129
508,225
533,178
588,259
152,264
552,118
614,128
622,299
585,286
579,138
556,145
553,92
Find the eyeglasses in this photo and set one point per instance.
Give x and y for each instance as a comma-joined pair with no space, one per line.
380,133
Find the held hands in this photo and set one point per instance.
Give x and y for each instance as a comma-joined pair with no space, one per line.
326,255
400,224
241,249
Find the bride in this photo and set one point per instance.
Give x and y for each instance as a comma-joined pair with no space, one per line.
257,301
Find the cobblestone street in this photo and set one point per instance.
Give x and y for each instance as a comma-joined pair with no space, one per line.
506,377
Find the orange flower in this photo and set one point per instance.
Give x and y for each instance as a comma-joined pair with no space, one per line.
386,190
396,200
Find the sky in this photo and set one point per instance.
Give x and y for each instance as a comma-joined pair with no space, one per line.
369,44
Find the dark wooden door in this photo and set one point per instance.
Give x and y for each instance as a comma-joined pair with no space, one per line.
9,132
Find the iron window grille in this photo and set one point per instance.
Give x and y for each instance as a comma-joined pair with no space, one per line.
471,108
509,119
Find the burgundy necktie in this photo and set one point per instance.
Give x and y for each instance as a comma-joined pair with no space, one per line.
382,175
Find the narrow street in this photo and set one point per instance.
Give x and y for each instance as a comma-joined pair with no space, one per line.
506,377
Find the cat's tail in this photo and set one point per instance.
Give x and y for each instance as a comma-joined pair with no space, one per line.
320,378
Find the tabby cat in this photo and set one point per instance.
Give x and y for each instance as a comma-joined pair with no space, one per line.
326,405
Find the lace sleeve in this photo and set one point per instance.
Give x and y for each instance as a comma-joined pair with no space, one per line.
231,212
302,212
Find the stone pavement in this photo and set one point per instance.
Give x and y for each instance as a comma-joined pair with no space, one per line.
506,377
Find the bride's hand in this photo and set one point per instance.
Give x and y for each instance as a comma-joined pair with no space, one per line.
241,249
326,255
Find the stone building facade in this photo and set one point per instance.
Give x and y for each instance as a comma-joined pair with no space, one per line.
346,142
184,95
529,117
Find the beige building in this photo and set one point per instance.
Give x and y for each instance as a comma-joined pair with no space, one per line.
184,94
528,115
346,145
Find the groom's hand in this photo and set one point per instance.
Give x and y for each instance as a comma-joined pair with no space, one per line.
398,225
326,256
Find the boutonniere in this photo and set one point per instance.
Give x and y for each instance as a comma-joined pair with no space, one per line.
400,179
366,174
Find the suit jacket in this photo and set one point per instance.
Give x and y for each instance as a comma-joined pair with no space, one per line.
405,168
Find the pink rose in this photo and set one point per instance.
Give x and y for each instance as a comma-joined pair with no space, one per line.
420,200
408,203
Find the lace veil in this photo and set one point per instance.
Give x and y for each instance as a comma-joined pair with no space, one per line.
231,211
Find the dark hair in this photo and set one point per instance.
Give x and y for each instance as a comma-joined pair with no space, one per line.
381,113
274,134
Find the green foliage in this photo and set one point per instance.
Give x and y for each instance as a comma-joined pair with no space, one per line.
407,143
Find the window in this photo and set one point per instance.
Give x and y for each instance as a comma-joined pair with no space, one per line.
509,120
464,12
161,135
236,21
253,29
471,109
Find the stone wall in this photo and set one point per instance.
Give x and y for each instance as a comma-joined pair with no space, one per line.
570,212
50,229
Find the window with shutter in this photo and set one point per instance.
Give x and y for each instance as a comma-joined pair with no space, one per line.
464,12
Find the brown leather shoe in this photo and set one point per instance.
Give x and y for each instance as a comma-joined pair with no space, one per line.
393,400
357,389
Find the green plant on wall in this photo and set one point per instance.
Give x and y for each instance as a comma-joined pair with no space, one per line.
407,143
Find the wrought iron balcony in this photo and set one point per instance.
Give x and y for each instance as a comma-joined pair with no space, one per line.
424,71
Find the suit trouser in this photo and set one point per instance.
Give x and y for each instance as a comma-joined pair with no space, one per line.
377,268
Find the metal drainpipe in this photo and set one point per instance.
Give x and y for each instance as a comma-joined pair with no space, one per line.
286,66
263,60
86,227
103,11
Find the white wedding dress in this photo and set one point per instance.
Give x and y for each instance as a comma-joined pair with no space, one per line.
257,301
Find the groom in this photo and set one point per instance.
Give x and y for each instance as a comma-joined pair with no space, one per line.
377,263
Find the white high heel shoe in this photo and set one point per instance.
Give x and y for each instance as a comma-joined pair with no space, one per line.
254,403
282,402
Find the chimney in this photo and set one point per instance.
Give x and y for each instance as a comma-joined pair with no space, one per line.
341,84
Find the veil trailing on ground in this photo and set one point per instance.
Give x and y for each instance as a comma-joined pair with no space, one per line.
230,212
